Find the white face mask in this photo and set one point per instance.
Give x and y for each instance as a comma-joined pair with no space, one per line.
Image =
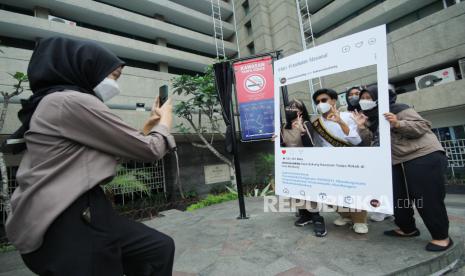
107,89
367,104
323,107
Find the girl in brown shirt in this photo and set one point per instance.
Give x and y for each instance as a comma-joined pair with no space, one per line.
61,221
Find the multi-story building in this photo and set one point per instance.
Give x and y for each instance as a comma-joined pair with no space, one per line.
158,40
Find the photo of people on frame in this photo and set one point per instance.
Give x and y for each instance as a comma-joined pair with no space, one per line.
349,121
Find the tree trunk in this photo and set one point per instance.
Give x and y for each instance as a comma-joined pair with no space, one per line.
210,147
217,154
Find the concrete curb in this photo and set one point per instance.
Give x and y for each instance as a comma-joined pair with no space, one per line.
438,265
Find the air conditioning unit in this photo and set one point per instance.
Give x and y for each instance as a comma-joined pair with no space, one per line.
61,20
435,78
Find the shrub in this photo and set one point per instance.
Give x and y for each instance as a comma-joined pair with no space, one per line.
212,199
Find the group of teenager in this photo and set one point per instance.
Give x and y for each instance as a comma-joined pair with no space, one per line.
418,159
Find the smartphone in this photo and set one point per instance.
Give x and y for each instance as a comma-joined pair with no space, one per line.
163,94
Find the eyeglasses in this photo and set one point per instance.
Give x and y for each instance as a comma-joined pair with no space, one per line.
321,100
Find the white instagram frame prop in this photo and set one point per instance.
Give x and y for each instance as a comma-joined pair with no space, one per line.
353,177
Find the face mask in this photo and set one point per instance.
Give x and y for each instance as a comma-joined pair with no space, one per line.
354,100
107,89
367,104
323,107
291,115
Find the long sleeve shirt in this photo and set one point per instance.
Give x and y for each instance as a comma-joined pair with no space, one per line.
335,129
72,145
413,138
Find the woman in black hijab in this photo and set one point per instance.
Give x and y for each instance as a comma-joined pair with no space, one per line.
352,98
368,116
61,221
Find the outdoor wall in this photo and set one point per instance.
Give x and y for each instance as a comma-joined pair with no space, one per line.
412,49
192,161
28,27
443,105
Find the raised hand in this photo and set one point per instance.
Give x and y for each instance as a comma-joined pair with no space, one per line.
359,118
299,124
392,119
334,115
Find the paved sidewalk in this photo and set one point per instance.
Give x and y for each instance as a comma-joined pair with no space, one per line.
211,241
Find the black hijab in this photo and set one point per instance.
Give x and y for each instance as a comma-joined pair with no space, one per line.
393,106
373,113
58,64
351,107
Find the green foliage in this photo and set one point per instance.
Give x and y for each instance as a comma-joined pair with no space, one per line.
255,191
6,248
191,194
265,166
202,101
129,181
19,76
211,200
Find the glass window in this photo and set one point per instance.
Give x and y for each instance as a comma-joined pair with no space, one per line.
459,132
251,48
245,5
248,27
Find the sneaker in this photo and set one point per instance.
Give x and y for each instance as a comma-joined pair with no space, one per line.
360,228
319,226
342,221
303,220
377,217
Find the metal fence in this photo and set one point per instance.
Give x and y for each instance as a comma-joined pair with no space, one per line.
132,181
455,150
138,180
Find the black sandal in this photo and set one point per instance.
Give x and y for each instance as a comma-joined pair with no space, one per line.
438,248
394,233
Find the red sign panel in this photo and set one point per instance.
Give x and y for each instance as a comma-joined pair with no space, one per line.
254,79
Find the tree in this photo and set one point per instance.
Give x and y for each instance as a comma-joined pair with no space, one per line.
18,89
201,110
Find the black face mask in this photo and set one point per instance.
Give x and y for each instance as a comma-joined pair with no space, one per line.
291,115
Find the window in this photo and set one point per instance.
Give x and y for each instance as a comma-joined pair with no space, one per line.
248,27
17,43
450,133
245,5
16,10
251,48
414,16
448,3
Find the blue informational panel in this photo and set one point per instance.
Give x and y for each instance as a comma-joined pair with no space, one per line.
257,119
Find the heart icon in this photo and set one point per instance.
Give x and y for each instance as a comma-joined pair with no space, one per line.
283,151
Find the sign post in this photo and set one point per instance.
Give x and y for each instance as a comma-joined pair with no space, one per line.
255,97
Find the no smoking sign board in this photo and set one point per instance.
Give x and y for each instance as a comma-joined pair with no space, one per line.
254,83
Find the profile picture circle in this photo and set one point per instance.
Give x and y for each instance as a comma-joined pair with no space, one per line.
375,203
282,80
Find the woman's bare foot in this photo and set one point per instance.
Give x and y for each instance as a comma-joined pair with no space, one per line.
443,243
402,233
